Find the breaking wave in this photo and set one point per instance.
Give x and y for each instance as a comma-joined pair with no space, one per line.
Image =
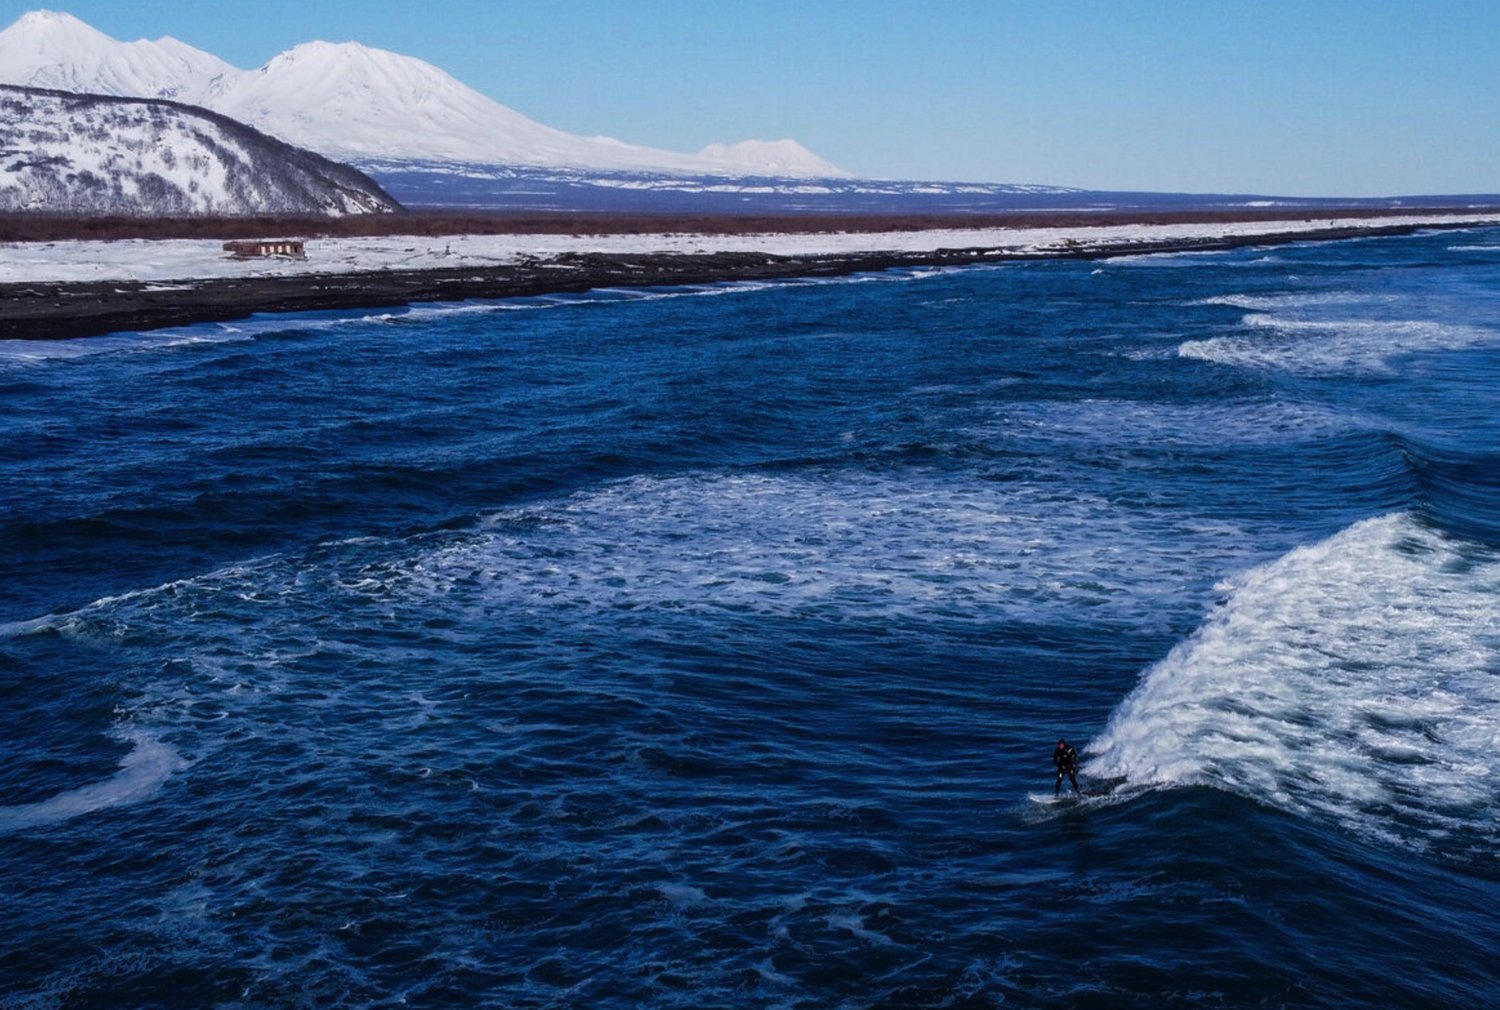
1356,679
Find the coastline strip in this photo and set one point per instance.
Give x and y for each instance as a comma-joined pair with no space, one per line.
55,310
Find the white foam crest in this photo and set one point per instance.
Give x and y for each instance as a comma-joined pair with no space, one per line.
1111,422
115,612
627,295
425,311
595,296
1332,346
142,773
18,353
1288,300
1356,679
1189,258
1177,258
24,353
617,295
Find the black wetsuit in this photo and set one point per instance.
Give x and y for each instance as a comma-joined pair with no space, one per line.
1066,760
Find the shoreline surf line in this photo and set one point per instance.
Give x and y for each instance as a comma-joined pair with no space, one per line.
58,310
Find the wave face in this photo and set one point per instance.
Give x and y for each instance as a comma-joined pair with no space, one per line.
705,645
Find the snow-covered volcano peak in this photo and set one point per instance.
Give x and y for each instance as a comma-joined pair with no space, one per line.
41,39
354,101
50,49
320,70
773,157
353,60
51,29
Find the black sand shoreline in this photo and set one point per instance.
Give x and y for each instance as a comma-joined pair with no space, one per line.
57,311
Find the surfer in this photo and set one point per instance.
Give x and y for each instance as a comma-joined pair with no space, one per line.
1066,760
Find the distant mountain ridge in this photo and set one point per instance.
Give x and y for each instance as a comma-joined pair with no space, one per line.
64,153
352,102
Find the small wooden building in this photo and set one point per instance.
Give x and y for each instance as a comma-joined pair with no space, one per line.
244,249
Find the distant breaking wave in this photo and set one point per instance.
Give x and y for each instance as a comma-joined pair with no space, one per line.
1337,346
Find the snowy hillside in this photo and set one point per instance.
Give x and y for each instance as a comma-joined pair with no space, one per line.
85,154
349,101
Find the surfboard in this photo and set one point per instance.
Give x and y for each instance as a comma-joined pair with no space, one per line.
1060,799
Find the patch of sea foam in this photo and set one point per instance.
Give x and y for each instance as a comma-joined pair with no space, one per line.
873,547
142,773
1150,422
1331,346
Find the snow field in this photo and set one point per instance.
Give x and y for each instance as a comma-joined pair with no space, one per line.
198,259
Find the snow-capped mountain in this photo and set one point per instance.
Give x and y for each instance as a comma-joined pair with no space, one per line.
354,102
45,49
785,158
349,101
64,153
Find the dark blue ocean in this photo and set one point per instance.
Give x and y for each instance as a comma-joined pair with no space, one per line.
706,647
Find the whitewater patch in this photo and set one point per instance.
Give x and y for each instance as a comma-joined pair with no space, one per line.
1331,346
18,354
1109,422
1295,300
800,545
844,547
1357,679
142,773
1188,258
315,650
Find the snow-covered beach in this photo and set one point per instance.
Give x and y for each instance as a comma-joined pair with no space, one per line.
153,260
79,288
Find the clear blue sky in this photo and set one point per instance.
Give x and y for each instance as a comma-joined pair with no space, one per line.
1312,97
